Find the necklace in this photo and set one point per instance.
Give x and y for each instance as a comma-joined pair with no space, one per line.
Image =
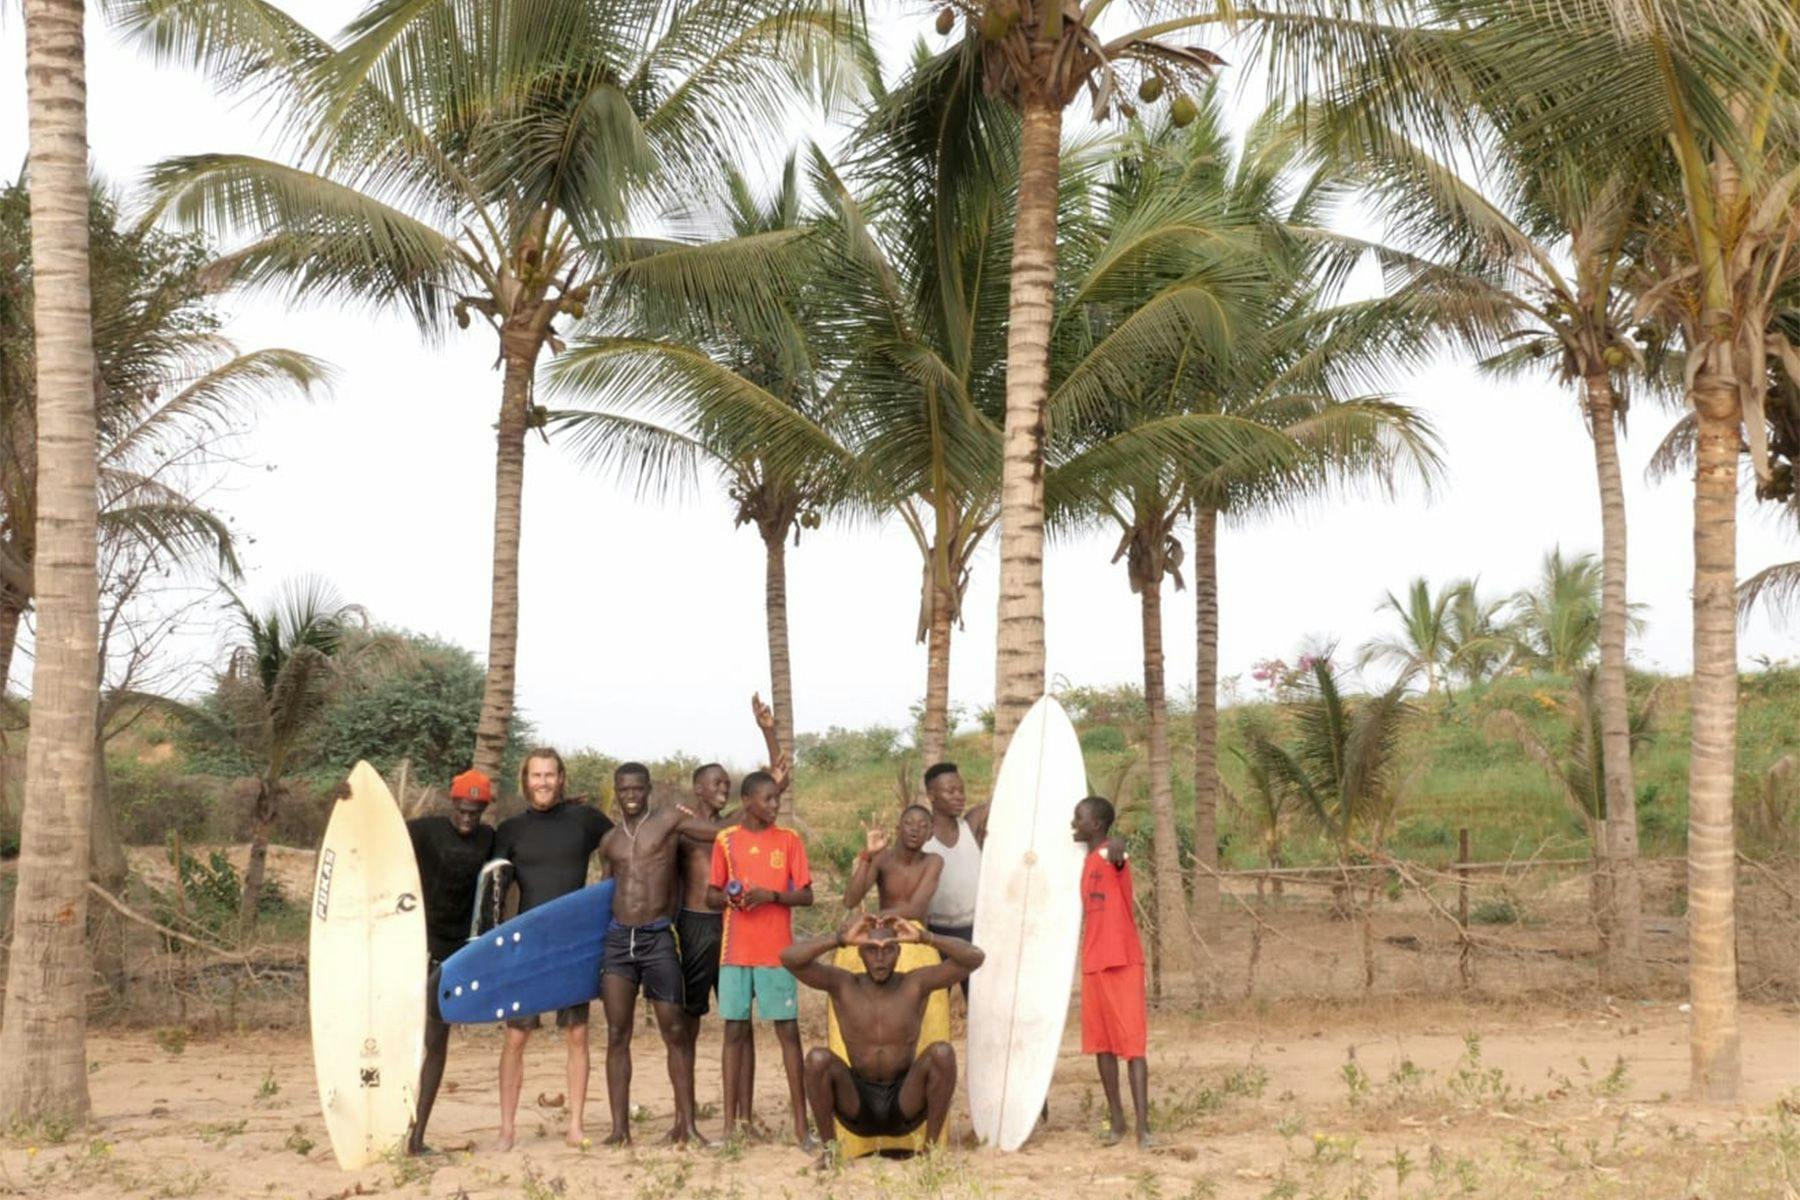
629,831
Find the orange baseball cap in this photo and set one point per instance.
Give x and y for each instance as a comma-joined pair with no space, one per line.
472,786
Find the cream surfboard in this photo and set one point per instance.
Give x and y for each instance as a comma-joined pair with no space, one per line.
1028,921
366,973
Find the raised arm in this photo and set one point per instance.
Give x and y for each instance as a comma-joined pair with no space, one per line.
802,958
862,875
779,767
961,959
977,818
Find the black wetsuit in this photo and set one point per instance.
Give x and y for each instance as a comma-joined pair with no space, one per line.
449,866
549,851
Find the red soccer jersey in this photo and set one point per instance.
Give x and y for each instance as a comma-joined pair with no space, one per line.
1109,935
773,858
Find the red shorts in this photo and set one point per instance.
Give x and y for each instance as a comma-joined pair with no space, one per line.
1112,1011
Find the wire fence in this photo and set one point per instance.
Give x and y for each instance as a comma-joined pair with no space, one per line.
1502,929
1492,930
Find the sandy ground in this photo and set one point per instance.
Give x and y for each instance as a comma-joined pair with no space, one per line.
1289,1100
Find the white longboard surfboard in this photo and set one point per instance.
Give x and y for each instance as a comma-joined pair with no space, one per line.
366,974
1028,921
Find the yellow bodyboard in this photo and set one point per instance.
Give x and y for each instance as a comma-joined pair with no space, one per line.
935,1028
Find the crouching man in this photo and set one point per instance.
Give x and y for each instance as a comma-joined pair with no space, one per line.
889,1087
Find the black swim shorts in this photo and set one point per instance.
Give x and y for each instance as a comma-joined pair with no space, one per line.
700,934
880,1114
646,955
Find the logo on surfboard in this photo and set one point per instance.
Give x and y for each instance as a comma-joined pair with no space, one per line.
322,900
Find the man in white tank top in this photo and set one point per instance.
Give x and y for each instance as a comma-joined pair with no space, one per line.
956,837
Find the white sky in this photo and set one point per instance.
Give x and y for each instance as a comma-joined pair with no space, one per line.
642,626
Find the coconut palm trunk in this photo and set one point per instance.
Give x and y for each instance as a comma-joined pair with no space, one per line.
11,610
1206,718
1622,892
520,351
43,1060
110,869
1019,672
781,672
1172,926
262,821
934,733
1712,858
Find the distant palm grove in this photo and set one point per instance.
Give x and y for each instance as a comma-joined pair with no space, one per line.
1033,281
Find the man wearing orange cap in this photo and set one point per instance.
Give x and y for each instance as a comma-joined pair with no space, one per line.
451,851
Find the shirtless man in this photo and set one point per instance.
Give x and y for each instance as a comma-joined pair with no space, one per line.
904,876
639,854
548,845
886,1089
698,928
957,837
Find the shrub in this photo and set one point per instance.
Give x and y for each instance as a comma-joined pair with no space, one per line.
153,800
1494,912
1103,739
839,749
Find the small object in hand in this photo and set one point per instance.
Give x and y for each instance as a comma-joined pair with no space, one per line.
734,893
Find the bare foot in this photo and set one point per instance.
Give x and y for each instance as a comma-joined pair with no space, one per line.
807,1142
695,1136
577,1137
618,1137
505,1142
678,1136
1110,1137
418,1149
827,1161
1145,1141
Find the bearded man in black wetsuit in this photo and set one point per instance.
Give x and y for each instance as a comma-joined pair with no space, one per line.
549,845
451,851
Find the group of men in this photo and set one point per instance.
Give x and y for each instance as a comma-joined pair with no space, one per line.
702,906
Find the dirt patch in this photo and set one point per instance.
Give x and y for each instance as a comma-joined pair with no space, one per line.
1297,1100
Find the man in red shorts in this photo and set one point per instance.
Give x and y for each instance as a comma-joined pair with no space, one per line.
1112,969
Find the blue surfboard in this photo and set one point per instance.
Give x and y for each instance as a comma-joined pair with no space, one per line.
545,959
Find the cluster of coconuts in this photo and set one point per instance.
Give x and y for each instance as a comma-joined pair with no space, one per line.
1182,109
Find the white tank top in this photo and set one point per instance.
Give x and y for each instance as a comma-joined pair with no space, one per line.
954,901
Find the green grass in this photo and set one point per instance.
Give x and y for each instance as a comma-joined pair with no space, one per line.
1458,776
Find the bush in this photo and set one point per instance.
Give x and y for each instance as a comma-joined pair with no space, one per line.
211,892
839,749
1494,912
421,703
1103,739
153,800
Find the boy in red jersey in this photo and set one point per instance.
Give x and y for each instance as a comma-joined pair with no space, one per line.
1112,969
759,873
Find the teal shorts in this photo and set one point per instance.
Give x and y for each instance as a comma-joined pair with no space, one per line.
775,989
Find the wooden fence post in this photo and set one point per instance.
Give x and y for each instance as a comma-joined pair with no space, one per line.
1465,964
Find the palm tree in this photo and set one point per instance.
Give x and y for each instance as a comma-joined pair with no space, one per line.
1607,79
1480,643
1039,56
1303,351
478,162
43,1059
1170,390
1577,766
169,386
1555,624
1539,272
281,672
1424,642
1340,772
742,387
916,259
